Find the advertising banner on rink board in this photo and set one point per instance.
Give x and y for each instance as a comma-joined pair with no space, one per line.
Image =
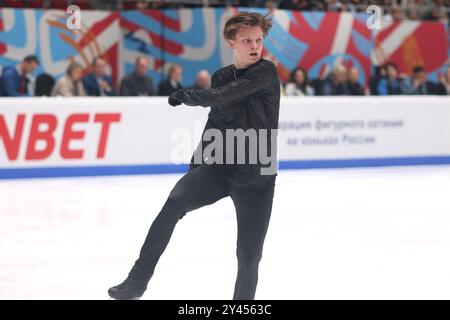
364,131
50,137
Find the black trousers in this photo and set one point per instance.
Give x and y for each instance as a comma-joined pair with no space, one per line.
203,186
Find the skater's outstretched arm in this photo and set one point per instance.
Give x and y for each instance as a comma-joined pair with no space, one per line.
255,81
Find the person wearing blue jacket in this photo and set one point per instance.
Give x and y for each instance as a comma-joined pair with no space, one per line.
98,83
17,80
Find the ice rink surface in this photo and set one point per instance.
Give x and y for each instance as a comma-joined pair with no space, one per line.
369,233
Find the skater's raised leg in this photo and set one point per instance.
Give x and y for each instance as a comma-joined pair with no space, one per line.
201,186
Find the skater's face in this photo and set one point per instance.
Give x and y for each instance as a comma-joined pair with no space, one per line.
247,46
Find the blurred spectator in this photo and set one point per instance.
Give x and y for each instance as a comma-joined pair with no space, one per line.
412,13
44,85
443,87
391,83
397,14
438,11
377,74
393,9
137,83
203,80
298,84
22,3
294,5
254,3
18,81
318,5
70,84
335,83
172,83
141,5
98,83
316,84
342,5
418,84
153,4
354,87
83,4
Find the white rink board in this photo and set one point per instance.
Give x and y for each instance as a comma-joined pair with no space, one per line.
123,135
364,127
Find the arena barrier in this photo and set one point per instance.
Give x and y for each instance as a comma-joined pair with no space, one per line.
59,137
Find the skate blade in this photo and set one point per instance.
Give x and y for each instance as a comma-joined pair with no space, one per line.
137,298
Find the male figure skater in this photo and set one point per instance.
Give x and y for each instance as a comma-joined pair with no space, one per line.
245,95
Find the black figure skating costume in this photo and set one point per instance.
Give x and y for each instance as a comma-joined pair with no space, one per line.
239,99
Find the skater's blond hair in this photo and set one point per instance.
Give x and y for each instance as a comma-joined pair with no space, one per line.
246,19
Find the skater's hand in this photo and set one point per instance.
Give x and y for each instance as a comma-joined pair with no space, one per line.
173,101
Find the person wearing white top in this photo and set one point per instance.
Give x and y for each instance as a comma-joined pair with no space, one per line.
70,84
298,84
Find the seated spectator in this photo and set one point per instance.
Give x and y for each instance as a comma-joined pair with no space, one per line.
22,3
443,87
298,84
137,83
294,5
18,81
335,84
378,74
172,83
98,83
316,84
354,87
439,11
342,6
83,4
391,83
70,84
203,80
418,84
142,5
413,13
44,85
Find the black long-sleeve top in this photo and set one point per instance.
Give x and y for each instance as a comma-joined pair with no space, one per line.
239,99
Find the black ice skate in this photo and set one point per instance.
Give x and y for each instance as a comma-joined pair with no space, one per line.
127,290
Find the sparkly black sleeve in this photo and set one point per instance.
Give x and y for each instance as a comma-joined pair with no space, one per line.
255,81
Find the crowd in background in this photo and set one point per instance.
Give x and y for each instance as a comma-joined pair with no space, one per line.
386,81
392,9
17,80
